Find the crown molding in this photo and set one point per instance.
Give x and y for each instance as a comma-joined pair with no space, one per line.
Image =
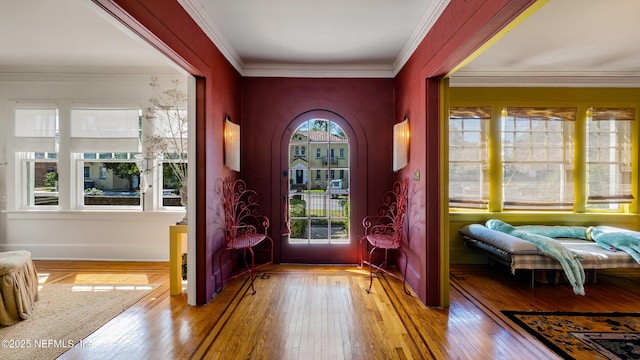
195,9
83,73
547,80
318,71
430,17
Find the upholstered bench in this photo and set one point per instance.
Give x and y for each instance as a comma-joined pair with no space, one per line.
18,286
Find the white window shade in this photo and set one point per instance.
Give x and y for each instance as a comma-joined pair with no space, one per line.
35,129
105,130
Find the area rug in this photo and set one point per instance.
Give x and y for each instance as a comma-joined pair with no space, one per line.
584,335
64,315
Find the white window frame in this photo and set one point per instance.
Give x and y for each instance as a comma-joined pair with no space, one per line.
78,199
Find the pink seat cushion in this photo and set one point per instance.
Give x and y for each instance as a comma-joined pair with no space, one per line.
245,241
382,241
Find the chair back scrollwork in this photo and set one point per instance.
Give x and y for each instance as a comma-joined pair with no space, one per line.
389,218
245,227
243,214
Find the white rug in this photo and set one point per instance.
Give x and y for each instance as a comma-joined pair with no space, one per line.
64,315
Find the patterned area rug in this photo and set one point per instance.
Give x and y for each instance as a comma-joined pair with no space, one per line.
579,335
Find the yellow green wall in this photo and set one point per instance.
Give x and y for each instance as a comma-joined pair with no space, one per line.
581,98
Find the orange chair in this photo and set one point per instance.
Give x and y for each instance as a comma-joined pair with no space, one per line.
245,226
384,231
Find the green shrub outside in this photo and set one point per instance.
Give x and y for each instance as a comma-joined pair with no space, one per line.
298,208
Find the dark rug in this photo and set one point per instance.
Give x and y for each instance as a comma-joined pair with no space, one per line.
584,335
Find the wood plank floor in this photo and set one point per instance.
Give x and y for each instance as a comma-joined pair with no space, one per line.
316,312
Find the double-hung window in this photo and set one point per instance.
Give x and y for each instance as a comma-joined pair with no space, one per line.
537,158
609,156
104,141
35,145
468,157
167,143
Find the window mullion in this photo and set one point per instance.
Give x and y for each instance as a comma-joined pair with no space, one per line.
495,160
68,178
579,161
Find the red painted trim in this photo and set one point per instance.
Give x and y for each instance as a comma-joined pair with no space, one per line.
475,33
112,8
202,258
432,179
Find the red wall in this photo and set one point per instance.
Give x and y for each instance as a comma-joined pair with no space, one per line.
266,106
462,28
269,105
169,28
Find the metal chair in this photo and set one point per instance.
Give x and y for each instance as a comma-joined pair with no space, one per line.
245,227
384,231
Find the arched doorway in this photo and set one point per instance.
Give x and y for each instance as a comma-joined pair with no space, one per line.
318,179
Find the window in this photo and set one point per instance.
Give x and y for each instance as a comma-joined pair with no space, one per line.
341,153
35,144
318,153
303,151
169,143
468,157
171,170
72,155
107,140
534,163
537,158
113,181
41,173
609,156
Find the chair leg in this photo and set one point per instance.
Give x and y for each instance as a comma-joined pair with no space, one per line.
371,270
382,267
360,253
404,276
252,271
219,254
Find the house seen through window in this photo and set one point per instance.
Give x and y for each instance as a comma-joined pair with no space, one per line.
103,144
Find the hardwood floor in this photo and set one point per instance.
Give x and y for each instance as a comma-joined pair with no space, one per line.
316,312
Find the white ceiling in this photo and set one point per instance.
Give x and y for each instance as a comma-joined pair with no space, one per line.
565,42
281,37
69,36
579,41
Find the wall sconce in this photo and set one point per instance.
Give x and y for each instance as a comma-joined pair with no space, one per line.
401,144
231,144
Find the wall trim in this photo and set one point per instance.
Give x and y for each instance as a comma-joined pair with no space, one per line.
546,80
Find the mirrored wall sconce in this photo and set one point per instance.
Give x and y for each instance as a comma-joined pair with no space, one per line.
401,144
231,144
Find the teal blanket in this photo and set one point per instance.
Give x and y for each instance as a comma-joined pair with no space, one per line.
558,231
613,239
549,247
